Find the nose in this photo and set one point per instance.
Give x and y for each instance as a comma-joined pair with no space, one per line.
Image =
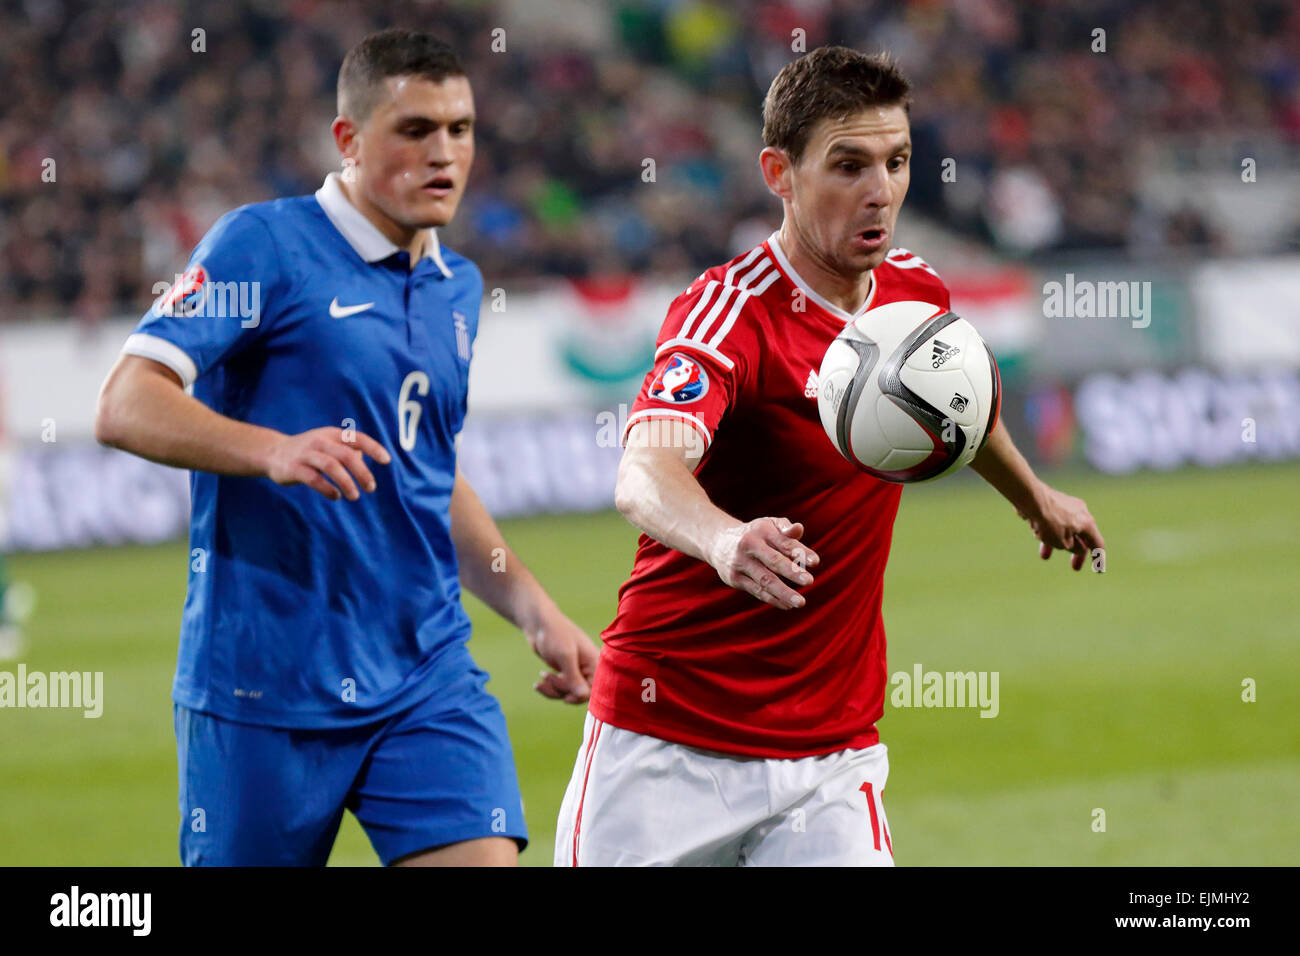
440,152
876,187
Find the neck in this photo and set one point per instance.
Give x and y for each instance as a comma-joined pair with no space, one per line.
404,237
846,292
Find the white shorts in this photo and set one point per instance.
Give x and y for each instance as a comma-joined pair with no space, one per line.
636,800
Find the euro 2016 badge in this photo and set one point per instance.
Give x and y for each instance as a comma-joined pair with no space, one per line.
187,295
682,381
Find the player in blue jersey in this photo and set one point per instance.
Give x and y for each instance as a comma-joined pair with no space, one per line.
327,340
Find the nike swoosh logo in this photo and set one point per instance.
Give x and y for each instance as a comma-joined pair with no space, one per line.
343,311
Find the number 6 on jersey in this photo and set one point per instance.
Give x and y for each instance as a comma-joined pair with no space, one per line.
408,409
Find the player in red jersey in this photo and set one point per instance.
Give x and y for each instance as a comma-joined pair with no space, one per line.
725,730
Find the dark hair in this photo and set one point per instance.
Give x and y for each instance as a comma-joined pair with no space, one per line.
831,81
390,53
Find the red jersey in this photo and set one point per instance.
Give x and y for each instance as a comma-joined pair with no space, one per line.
689,659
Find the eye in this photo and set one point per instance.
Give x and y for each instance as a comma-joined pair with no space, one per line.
898,162
848,166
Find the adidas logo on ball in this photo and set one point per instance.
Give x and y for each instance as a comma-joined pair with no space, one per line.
891,415
942,352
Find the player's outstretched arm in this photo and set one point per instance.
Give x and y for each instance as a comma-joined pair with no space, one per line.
1059,521
143,409
657,491
494,573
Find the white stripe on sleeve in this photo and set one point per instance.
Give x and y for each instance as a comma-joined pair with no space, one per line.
755,272
705,296
723,298
670,414
731,273
741,299
694,344
762,286
160,350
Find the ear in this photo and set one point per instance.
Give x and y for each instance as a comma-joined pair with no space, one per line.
345,136
777,171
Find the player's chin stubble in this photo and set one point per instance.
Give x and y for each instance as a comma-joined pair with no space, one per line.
854,262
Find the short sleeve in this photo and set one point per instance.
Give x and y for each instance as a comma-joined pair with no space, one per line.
219,304
705,357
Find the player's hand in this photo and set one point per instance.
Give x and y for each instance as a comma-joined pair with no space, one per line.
567,649
761,556
323,455
1062,522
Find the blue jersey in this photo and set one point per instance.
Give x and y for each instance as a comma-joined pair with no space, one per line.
301,611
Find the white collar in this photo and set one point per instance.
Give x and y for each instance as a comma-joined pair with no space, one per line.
773,243
362,234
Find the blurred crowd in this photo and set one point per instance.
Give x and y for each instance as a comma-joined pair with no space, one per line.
125,133
1053,111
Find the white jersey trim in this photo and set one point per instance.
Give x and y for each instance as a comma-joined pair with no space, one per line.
741,299
723,297
160,350
901,258
667,413
363,235
774,244
771,277
764,272
753,254
710,288
704,347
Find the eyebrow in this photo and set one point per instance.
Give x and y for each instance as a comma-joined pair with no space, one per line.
847,149
430,121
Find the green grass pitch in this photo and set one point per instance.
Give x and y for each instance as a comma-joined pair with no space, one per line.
1120,692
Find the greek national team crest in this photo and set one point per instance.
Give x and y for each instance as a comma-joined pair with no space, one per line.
681,381
185,297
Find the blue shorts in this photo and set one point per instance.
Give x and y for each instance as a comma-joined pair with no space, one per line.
435,774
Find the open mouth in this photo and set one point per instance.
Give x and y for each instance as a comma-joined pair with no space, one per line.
439,185
872,238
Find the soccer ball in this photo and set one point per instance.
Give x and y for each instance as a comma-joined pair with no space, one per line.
908,392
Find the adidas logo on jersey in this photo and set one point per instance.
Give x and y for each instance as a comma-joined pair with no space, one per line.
810,387
942,352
